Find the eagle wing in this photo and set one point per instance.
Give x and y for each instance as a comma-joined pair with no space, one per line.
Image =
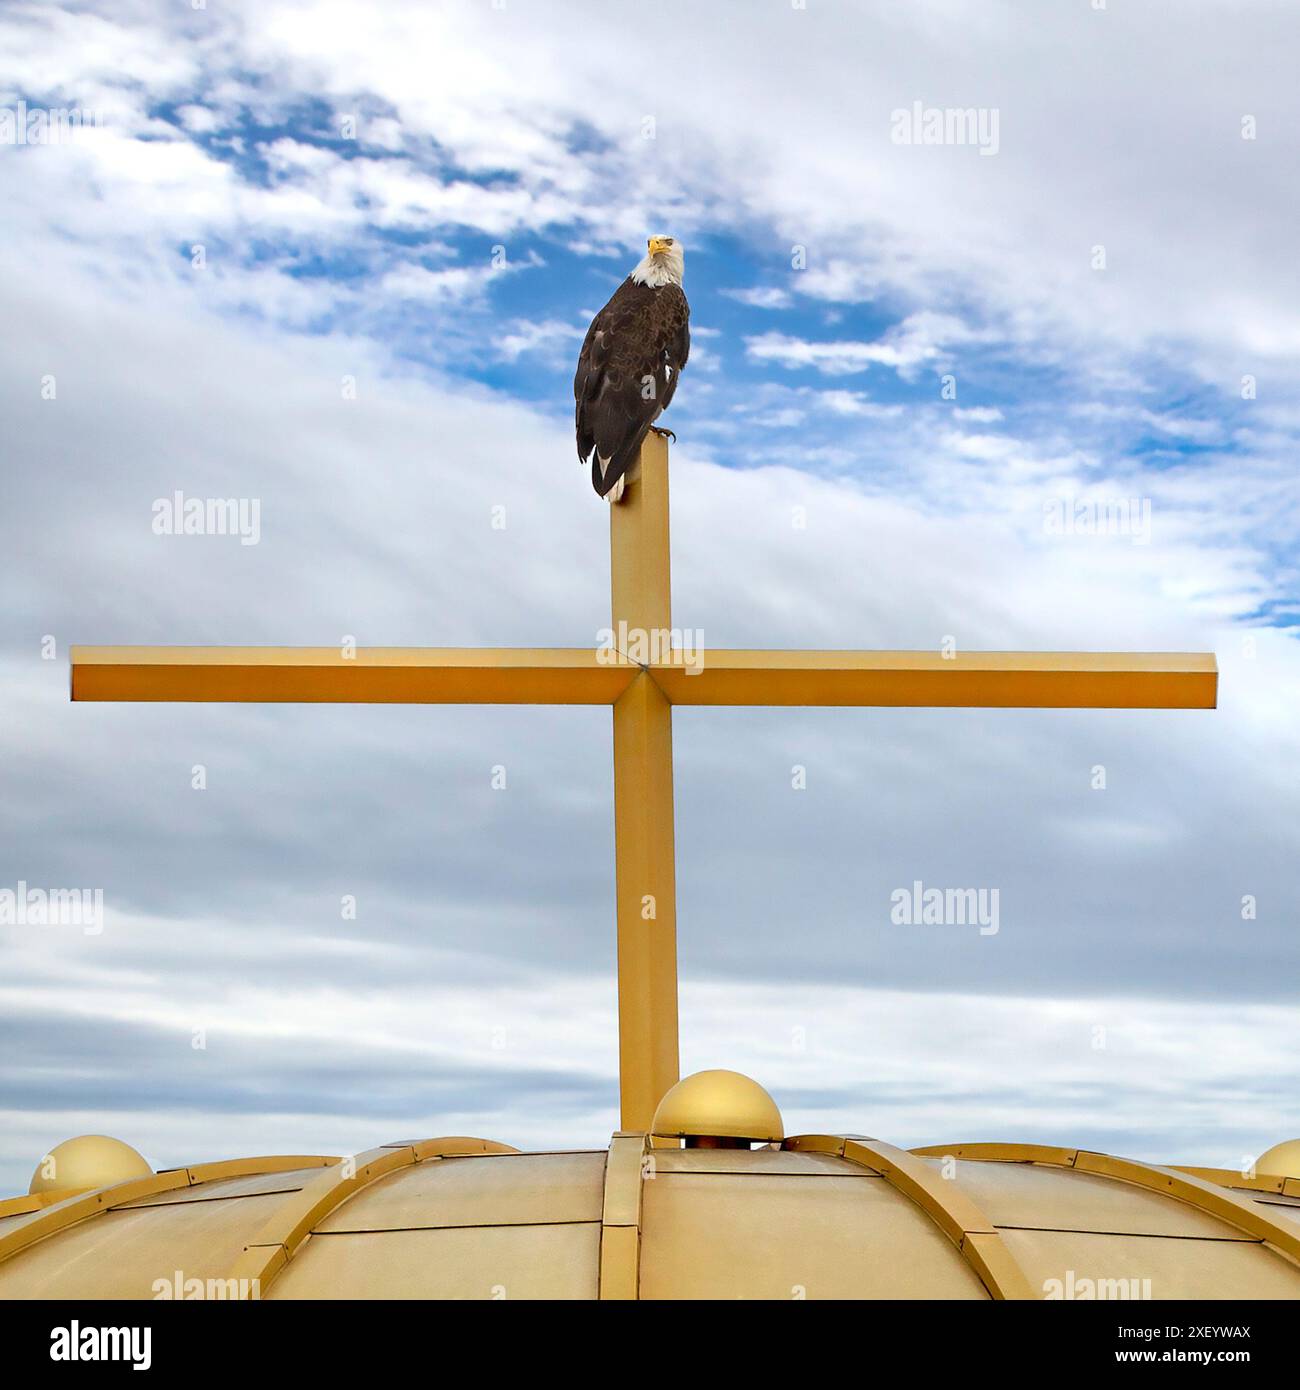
627,373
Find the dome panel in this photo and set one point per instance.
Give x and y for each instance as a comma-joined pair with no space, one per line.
1036,1195
771,1235
490,1262
1154,1268
496,1190
121,1254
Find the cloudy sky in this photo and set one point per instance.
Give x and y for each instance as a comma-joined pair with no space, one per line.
337,258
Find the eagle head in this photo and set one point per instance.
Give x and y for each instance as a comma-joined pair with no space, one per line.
663,263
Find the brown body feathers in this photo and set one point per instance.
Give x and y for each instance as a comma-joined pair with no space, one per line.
627,374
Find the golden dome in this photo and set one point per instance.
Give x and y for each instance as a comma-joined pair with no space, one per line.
90,1160
1281,1161
718,1105
818,1216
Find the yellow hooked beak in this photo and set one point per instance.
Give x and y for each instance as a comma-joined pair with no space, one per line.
658,244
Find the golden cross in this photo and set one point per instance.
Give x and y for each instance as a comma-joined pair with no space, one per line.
642,695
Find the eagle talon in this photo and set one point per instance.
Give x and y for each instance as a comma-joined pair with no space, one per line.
663,434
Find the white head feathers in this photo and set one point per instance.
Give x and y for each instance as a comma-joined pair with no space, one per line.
663,264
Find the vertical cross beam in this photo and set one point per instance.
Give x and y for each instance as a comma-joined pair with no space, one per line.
646,885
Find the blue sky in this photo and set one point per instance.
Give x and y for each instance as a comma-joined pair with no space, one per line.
347,174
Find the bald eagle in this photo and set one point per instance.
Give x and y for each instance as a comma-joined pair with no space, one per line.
629,364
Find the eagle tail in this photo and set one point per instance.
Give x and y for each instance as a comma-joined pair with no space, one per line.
618,470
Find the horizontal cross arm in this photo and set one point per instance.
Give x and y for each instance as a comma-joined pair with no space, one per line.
368,675
1024,680
578,676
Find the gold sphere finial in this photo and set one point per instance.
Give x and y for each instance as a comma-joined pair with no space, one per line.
88,1161
718,1105
1281,1161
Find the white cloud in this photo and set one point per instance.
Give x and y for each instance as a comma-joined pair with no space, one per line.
1164,422
844,282
201,119
919,340
451,284
762,297
548,336
835,359
855,403
784,419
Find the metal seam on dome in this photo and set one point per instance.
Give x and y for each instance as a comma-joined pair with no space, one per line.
776,1175
1238,1238
453,1226
461,1146
287,1229
1001,1153
977,1239
620,1218
1243,1213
